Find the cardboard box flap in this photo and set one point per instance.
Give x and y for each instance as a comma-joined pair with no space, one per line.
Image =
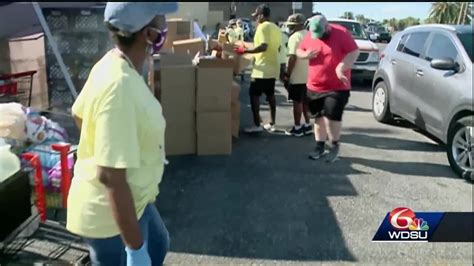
173,60
216,63
189,41
190,46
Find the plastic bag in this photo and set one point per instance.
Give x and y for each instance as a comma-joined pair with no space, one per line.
40,129
12,121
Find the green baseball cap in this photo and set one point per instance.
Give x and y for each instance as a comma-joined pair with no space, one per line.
317,26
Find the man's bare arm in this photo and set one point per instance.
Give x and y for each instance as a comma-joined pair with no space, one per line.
259,49
349,60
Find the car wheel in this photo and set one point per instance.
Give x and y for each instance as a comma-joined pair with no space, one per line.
380,103
460,148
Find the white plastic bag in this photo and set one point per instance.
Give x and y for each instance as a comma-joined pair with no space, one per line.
12,121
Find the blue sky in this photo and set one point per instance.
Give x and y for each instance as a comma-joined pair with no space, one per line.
377,10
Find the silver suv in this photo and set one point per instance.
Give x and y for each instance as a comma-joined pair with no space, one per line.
425,77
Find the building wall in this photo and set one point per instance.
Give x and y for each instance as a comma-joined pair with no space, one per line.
191,11
27,55
279,10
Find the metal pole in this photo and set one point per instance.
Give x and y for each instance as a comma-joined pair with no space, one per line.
55,49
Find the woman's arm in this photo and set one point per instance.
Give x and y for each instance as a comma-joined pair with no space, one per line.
121,201
78,121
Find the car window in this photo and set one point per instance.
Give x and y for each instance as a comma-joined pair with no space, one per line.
441,47
466,40
355,28
415,43
401,44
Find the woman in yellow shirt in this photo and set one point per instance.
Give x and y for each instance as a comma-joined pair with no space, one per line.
121,149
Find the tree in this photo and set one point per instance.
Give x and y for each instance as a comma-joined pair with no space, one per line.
348,15
444,12
464,13
361,19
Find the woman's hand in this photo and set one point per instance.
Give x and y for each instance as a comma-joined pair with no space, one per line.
138,257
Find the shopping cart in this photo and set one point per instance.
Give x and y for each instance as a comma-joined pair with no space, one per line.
17,87
49,196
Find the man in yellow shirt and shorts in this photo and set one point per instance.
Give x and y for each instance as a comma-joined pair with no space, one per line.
296,75
266,68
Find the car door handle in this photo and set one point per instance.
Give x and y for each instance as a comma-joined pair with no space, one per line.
420,73
393,62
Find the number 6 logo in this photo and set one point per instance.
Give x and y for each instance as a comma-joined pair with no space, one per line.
401,218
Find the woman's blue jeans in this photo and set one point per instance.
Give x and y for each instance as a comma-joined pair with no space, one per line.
111,251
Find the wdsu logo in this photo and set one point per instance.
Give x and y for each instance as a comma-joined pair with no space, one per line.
403,224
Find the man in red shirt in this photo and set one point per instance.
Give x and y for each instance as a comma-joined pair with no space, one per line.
331,51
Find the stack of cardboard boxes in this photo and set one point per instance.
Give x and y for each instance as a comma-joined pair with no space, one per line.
200,101
213,106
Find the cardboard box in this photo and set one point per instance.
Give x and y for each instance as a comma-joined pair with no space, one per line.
191,46
235,109
241,62
214,133
177,83
178,29
180,135
178,89
214,83
167,59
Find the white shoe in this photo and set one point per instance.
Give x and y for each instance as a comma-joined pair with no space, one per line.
269,127
253,129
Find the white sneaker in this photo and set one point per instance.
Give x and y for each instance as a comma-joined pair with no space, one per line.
253,129
269,127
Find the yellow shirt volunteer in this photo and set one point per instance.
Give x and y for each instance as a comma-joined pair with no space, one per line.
300,71
283,48
267,64
232,35
122,127
240,33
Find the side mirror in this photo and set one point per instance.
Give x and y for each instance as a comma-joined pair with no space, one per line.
445,64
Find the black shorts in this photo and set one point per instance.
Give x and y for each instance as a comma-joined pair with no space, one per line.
259,86
328,104
297,92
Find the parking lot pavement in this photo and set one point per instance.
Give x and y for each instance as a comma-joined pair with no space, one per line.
268,204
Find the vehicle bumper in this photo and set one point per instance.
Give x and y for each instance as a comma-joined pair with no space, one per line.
365,71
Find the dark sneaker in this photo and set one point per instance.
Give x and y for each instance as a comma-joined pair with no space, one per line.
333,154
317,154
308,129
295,132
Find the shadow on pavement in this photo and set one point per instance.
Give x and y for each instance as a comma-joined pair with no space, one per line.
265,201
406,168
390,143
354,108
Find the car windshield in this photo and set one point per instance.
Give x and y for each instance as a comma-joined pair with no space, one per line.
380,30
466,40
355,29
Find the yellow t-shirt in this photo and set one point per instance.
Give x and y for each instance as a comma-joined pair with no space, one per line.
232,35
240,33
300,71
122,127
283,48
267,64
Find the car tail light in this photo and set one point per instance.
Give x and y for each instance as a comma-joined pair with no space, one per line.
382,55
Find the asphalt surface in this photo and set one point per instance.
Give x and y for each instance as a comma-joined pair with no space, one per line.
268,204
